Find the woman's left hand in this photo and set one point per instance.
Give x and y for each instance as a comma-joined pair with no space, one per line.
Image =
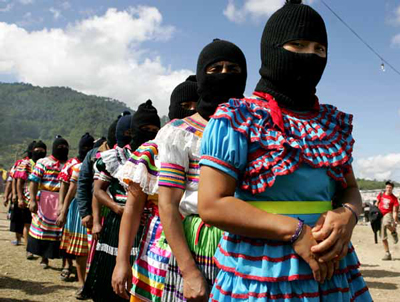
333,231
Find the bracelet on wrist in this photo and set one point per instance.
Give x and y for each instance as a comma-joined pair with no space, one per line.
298,231
352,211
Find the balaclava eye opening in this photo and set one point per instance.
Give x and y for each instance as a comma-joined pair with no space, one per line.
184,92
144,116
218,88
39,154
291,78
60,153
123,125
85,145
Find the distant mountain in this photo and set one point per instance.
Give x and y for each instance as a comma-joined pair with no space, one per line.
29,113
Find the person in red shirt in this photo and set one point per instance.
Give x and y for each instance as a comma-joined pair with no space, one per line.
388,204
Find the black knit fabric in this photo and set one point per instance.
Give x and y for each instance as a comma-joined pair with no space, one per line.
85,144
184,92
145,115
111,138
30,148
215,89
292,77
39,154
123,125
60,153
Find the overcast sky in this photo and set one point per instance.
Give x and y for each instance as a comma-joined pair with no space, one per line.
135,50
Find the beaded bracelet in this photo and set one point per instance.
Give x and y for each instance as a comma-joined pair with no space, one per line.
298,231
352,211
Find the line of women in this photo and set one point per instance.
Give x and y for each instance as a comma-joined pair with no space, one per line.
235,199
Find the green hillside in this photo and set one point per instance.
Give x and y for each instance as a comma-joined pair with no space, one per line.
28,112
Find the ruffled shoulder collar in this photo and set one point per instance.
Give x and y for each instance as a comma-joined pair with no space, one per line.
285,139
113,159
185,134
142,168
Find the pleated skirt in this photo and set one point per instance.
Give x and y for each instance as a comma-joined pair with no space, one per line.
202,240
75,238
98,282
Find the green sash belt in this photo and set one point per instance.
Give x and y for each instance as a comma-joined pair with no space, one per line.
293,207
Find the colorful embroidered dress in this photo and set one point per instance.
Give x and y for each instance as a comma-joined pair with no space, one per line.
19,217
66,171
98,282
151,264
74,239
44,234
179,153
22,171
284,163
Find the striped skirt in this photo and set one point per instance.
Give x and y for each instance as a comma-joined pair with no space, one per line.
259,270
98,282
74,239
151,264
202,241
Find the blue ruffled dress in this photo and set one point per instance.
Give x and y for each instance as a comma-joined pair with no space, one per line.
301,162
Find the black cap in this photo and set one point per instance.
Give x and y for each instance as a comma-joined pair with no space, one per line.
146,115
184,92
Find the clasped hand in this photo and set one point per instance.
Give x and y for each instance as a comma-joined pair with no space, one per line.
323,246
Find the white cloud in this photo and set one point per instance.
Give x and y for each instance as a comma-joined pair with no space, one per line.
379,167
101,55
56,13
253,9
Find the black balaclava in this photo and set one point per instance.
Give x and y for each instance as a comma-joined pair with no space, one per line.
39,154
291,78
124,124
145,115
60,153
111,138
99,142
30,149
215,89
184,92
85,145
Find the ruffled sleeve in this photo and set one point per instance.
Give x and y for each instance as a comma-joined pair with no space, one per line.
174,146
142,168
23,170
100,171
75,172
223,148
38,170
66,172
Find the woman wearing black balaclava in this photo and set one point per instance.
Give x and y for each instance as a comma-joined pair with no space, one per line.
20,216
221,74
44,235
38,151
145,279
74,242
98,283
271,167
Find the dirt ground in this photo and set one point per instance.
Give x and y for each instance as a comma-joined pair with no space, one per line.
23,280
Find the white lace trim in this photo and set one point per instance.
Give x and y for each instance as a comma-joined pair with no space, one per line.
171,138
103,247
113,160
139,174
